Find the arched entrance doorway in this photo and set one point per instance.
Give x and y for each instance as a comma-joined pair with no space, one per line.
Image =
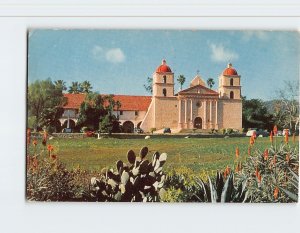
71,124
128,127
198,123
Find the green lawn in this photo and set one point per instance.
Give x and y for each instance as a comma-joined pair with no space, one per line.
197,154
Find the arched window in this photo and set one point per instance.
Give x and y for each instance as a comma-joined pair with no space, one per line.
165,92
231,95
165,78
231,82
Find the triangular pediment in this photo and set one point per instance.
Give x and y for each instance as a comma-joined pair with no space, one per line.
198,89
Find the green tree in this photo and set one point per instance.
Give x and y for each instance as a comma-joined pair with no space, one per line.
60,84
86,87
181,80
45,103
96,112
75,88
255,114
148,86
118,106
210,82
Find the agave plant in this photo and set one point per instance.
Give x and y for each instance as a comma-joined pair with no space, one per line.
219,189
139,180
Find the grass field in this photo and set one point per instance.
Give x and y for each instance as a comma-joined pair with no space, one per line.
198,154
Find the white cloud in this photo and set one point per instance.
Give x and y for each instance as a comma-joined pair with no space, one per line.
221,54
113,55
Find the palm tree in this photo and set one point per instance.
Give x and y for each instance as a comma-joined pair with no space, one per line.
181,80
60,84
75,88
86,86
210,82
148,85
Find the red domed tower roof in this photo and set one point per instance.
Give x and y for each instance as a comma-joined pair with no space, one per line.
163,68
229,70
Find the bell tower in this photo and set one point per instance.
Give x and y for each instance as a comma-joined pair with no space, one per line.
230,84
163,81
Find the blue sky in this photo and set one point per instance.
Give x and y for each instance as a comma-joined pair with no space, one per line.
119,61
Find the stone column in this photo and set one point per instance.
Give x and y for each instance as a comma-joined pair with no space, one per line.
185,113
68,122
191,119
216,124
204,123
180,115
210,113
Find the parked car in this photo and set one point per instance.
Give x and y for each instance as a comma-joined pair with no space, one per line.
138,130
263,133
250,132
279,133
167,130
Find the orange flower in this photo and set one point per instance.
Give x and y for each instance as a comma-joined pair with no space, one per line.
50,148
287,158
286,137
271,136
274,160
35,163
259,177
256,172
266,154
276,191
275,130
34,142
249,150
237,152
226,172
254,135
252,140
28,136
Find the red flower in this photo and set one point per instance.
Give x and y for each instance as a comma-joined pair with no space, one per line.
50,148
276,191
287,157
237,152
256,172
249,150
286,137
252,140
266,154
275,130
28,135
274,160
271,137
254,134
259,177
34,142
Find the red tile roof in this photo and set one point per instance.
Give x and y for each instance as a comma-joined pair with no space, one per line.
128,102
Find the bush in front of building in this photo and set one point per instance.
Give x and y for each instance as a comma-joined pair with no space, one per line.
152,130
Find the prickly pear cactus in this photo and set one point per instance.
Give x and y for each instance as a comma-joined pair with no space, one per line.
139,180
